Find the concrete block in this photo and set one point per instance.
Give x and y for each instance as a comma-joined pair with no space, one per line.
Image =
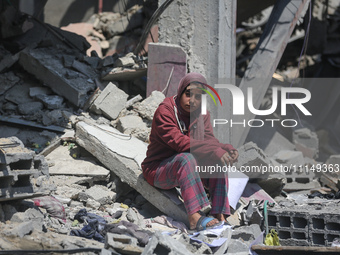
18,168
131,125
110,102
250,155
123,244
147,107
307,142
306,224
30,108
290,158
101,194
51,102
46,64
164,244
165,62
124,156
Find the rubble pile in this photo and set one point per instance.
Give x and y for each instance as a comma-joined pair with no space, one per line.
75,131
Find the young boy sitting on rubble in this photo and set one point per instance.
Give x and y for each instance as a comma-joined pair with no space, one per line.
182,138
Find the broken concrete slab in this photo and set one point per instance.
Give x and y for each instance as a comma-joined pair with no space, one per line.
19,94
165,244
167,65
147,107
123,156
307,142
47,65
110,102
62,162
8,80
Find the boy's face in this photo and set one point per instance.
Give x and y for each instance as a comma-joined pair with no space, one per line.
190,100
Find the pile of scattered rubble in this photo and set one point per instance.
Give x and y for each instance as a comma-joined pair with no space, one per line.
76,184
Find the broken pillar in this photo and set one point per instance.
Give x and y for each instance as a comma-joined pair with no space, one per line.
46,65
123,155
270,48
167,65
19,166
206,30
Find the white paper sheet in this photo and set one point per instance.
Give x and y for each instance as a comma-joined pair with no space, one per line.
237,184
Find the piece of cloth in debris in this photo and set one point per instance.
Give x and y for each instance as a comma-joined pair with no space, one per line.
53,207
167,221
92,230
89,231
125,227
84,216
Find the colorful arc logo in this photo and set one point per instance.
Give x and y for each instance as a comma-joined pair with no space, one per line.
204,98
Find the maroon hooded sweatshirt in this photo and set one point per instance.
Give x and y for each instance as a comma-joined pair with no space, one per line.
166,138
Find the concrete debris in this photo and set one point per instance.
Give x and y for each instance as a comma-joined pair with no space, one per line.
123,244
110,102
164,244
123,156
19,168
316,223
48,67
51,102
135,126
69,160
98,167
307,142
113,23
147,107
265,171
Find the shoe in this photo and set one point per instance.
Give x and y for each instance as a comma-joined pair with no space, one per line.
202,224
